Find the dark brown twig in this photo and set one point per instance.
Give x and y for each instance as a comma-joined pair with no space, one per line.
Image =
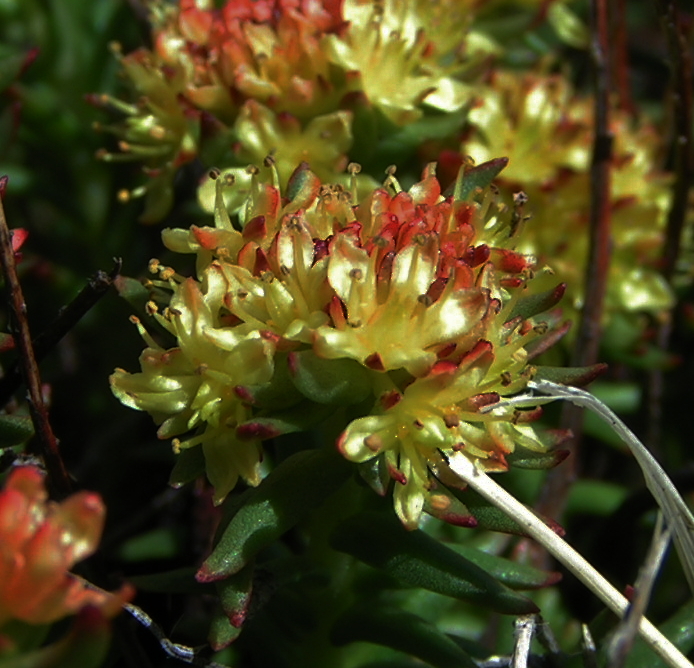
558,484
620,56
96,288
58,479
681,97
681,64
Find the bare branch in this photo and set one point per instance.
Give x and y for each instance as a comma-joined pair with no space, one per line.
58,479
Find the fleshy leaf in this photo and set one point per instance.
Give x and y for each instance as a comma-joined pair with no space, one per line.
527,459
415,559
401,631
301,417
580,375
190,464
329,381
221,633
302,187
235,595
471,180
289,494
490,518
510,573
276,394
527,307
132,290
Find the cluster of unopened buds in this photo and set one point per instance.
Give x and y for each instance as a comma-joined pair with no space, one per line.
402,313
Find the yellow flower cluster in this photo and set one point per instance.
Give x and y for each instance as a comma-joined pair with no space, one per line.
410,305
285,78
545,130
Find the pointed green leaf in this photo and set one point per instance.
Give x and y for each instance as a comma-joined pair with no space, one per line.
530,306
401,631
476,178
527,459
510,573
580,375
490,518
289,494
415,559
132,290
374,472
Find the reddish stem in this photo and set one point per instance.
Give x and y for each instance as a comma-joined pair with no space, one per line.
558,484
58,479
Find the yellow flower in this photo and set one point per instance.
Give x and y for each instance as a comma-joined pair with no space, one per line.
409,300
39,542
398,49
193,386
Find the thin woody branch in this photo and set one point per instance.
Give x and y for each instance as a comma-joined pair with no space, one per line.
58,479
558,483
683,157
96,288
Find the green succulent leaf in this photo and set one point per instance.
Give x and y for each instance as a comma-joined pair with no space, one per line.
568,26
298,418
580,375
132,290
221,633
476,178
278,393
235,595
325,381
289,494
415,559
401,631
490,518
527,459
189,465
530,306
510,573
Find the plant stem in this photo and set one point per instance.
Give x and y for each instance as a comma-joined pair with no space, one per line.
681,96
559,481
67,318
563,552
58,479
